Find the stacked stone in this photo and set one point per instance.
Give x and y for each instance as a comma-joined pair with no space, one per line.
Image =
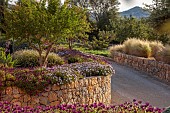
84,91
152,67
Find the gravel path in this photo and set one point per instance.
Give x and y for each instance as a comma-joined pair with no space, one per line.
129,84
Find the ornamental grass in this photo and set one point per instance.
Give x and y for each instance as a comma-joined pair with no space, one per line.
116,48
137,47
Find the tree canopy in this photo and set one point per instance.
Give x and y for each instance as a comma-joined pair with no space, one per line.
160,12
42,24
99,11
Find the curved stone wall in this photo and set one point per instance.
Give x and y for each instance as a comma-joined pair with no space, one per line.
154,68
84,91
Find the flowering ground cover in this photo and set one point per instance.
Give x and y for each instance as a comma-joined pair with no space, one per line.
127,107
33,80
66,53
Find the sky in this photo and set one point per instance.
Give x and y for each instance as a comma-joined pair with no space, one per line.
127,4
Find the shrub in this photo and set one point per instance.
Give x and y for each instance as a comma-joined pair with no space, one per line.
30,58
116,48
26,58
73,59
6,79
54,59
137,47
156,47
6,61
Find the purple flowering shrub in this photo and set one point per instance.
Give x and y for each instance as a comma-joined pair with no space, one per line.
127,107
33,80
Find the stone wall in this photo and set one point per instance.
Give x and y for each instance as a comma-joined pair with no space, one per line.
154,68
84,91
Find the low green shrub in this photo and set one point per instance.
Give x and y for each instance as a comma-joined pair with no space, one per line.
156,47
6,60
6,79
26,58
116,48
30,58
73,59
53,59
137,47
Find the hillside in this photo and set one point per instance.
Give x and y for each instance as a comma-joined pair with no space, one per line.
137,12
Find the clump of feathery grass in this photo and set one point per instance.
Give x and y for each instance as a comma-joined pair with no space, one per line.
116,48
137,47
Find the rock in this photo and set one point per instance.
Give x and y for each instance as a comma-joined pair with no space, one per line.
35,99
48,88
27,98
45,94
15,90
16,96
54,103
9,90
43,100
17,103
52,96
55,87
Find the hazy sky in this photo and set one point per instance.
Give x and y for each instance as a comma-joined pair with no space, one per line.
127,4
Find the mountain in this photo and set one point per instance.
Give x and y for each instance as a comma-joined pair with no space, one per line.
137,12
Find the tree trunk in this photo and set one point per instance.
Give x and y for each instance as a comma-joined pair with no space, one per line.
40,58
46,55
70,44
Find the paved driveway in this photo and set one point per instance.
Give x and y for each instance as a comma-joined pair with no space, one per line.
129,84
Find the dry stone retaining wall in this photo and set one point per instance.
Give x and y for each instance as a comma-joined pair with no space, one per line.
154,68
84,91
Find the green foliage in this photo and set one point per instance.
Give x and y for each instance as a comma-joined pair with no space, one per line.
159,18
6,79
73,59
26,58
99,12
42,24
105,37
29,58
130,28
76,26
167,110
53,59
6,60
159,12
